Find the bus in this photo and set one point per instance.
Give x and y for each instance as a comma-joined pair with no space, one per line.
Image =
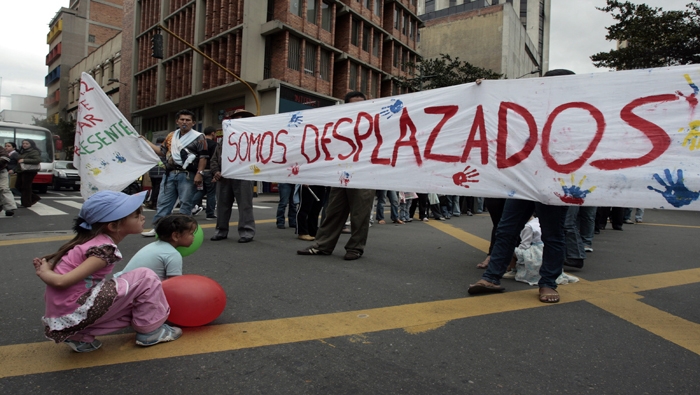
16,132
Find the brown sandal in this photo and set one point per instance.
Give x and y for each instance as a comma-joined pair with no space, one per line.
547,297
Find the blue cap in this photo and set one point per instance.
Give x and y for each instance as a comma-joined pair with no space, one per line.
108,206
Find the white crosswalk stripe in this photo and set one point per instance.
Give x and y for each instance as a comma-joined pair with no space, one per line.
46,210
57,206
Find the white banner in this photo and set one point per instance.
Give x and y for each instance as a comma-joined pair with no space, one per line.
108,151
627,139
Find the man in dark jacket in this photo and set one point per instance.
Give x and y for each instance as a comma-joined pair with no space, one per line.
228,190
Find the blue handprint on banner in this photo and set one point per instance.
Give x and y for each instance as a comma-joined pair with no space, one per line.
676,193
295,120
119,157
393,109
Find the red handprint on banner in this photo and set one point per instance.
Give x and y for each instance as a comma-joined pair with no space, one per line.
466,176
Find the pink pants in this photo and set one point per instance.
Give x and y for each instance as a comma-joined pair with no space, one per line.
140,303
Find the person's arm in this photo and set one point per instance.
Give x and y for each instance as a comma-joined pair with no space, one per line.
53,279
215,164
154,147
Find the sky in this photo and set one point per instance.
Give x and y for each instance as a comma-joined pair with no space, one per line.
577,32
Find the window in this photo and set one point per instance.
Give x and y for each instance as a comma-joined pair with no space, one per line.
352,83
365,3
396,56
326,16
375,44
375,85
397,16
403,60
355,33
310,59
325,70
91,38
378,7
294,56
412,31
295,7
394,90
364,79
405,23
366,33
311,10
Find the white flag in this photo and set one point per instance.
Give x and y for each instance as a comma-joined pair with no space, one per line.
108,152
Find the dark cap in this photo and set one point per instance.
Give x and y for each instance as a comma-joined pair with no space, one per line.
241,113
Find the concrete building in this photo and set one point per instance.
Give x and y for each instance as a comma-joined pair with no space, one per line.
510,37
74,33
296,54
104,65
24,109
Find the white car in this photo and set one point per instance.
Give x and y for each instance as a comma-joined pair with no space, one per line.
65,175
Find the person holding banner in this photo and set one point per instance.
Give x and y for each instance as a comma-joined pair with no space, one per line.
357,202
228,190
186,157
516,213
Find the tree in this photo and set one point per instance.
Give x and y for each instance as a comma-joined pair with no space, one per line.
650,37
442,72
65,130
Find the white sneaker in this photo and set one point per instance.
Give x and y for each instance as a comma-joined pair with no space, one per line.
197,209
588,249
150,233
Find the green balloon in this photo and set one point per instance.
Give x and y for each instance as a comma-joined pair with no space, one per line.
198,238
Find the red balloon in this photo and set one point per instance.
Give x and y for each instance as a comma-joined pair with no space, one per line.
194,300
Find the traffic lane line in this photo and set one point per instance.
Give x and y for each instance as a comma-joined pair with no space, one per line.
34,358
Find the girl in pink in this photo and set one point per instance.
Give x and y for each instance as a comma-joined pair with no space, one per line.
80,303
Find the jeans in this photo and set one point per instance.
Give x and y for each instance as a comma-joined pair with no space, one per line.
574,242
516,213
174,186
286,198
210,190
586,224
453,205
403,210
638,215
393,200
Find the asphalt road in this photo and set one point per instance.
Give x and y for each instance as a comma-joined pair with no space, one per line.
398,320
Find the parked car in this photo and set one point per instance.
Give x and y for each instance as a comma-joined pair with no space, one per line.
65,175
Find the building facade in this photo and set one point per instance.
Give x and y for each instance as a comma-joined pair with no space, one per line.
104,66
510,37
74,33
295,54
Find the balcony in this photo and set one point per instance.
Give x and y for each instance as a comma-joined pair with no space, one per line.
55,31
54,54
52,99
53,76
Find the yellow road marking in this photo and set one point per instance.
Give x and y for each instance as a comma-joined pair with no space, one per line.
474,241
673,226
667,326
617,296
33,358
